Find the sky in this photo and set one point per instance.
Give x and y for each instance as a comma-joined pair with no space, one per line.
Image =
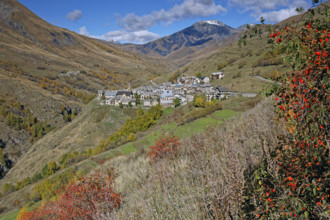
141,21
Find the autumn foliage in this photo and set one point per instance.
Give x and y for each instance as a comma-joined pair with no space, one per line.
164,148
92,197
299,187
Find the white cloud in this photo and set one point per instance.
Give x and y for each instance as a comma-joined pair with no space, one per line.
140,37
259,5
277,16
134,27
272,10
83,31
74,15
187,9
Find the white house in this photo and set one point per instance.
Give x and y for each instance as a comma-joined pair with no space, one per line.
206,80
218,75
167,95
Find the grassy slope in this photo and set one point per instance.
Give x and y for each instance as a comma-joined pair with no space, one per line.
247,55
94,124
92,132
184,187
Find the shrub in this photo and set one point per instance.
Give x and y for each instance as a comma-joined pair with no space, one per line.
295,181
222,65
177,102
199,101
164,148
241,64
90,197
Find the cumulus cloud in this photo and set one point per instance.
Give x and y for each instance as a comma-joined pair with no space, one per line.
187,9
135,28
83,31
272,10
139,37
74,15
277,16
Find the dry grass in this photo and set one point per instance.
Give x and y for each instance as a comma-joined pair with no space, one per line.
206,180
235,56
94,124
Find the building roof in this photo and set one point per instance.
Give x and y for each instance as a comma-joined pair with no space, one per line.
222,89
167,93
127,93
110,93
166,101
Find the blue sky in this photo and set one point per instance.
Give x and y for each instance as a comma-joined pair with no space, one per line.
140,21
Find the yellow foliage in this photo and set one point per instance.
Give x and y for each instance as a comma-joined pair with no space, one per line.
21,213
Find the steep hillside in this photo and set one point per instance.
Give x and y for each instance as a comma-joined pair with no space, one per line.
31,42
239,65
45,69
94,124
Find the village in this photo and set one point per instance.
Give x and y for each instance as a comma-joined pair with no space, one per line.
183,91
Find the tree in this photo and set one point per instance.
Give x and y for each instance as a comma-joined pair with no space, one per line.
295,181
138,98
52,167
199,101
49,169
177,102
199,75
121,105
139,112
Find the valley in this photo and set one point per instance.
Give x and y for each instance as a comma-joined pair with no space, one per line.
185,126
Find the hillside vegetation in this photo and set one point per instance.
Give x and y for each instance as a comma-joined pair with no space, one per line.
48,69
98,129
205,179
239,158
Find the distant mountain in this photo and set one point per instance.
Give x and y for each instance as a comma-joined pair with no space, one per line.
196,37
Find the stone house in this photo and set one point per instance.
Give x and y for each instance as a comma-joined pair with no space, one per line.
167,95
147,102
206,80
99,94
218,75
221,92
110,94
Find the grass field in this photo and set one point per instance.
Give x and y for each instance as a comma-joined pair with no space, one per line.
10,215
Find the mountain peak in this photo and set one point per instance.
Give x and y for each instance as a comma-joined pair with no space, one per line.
212,22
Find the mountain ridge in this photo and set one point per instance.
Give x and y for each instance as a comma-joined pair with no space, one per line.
200,35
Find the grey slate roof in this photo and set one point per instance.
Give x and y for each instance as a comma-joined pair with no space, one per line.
127,93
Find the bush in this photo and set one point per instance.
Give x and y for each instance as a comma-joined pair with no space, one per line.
199,101
222,65
91,197
294,182
166,147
